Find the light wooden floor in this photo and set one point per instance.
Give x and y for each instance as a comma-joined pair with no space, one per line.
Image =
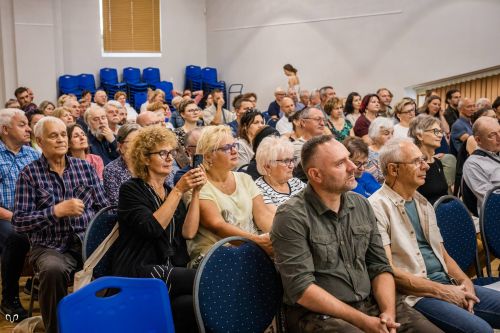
6,327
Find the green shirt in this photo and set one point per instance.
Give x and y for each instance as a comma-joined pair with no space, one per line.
340,253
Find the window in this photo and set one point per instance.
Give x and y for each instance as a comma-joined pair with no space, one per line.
131,26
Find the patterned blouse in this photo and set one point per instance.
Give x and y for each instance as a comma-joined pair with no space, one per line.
115,174
271,196
343,133
373,166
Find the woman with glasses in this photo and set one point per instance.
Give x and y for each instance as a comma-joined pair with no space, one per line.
340,127
275,162
427,133
250,123
432,107
153,221
190,113
381,130
78,146
358,149
118,171
404,112
230,203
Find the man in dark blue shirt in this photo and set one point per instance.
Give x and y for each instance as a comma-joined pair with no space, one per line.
102,141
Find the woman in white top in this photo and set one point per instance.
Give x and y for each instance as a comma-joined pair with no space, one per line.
293,79
405,112
275,162
230,202
380,131
352,106
250,123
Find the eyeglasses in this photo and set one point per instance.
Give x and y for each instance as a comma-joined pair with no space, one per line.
317,119
193,110
287,161
360,165
436,131
164,154
418,162
229,147
410,111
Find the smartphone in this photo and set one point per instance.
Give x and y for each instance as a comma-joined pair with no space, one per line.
197,160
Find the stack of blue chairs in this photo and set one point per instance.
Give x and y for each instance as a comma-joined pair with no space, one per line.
209,80
193,80
69,84
109,81
151,77
132,77
87,82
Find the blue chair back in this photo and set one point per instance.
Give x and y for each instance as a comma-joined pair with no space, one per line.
209,75
108,75
139,99
151,75
458,231
86,82
489,220
193,72
68,84
167,88
98,229
132,75
140,305
237,288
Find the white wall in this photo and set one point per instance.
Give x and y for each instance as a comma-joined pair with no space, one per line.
54,37
413,42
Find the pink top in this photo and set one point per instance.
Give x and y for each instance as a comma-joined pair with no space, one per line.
97,163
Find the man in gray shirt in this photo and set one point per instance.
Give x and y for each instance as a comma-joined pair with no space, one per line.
481,170
329,253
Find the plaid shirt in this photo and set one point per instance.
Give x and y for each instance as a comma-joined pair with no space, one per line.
10,166
39,189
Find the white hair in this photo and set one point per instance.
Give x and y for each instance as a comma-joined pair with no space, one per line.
482,103
89,111
6,116
114,103
377,125
269,150
40,125
391,152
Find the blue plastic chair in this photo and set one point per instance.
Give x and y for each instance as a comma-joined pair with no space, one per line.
489,220
109,81
86,82
140,305
193,72
459,235
98,229
209,75
151,75
68,84
139,99
237,288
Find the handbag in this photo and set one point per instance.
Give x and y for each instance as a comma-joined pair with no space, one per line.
84,277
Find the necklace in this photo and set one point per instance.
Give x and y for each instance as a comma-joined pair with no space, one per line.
160,191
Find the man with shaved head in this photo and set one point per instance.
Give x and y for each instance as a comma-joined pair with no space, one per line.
462,128
274,108
482,169
287,108
329,253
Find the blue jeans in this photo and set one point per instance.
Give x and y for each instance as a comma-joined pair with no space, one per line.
452,318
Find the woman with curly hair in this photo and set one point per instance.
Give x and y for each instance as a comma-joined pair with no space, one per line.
153,221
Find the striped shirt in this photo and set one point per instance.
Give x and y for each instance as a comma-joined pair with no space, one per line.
10,166
273,197
39,189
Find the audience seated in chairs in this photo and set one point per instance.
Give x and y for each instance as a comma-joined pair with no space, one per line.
335,273
369,109
250,123
481,170
102,141
56,197
264,132
471,144
424,271
216,114
380,131
275,162
15,154
340,127
230,203
358,150
241,106
153,221
404,112
118,171
157,95
78,146
427,134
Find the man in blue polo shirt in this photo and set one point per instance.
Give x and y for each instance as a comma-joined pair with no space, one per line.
462,128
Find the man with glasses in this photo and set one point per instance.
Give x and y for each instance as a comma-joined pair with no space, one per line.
481,170
358,149
56,197
241,106
431,280
312,123
335,273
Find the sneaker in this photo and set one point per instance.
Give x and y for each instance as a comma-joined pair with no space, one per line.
13,310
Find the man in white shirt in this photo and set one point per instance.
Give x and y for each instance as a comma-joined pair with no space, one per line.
287,106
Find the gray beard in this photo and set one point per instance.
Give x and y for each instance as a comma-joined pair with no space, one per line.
97,133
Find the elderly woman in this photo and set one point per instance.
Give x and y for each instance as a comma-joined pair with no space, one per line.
427,133
64,114
358,149
78,146
118,171
340,127
153,221
380,131
47,108
230,203
275,162
250,123
404,112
